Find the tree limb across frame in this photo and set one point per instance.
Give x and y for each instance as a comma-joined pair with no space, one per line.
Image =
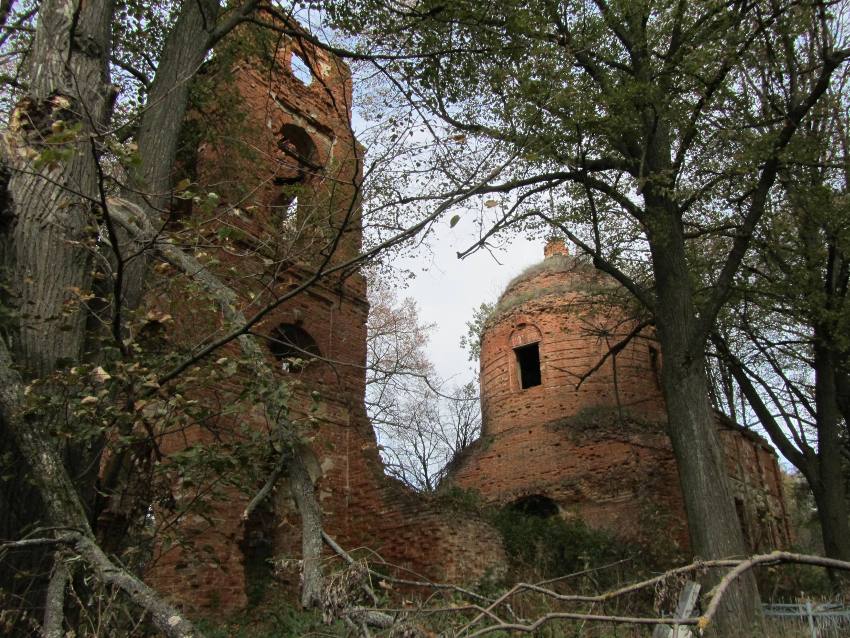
65,509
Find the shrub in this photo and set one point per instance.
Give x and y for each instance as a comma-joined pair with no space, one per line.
552,546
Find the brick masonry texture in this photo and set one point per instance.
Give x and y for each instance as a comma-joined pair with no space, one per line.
593,438
276,217
284,163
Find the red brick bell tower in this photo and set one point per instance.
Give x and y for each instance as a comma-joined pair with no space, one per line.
276,142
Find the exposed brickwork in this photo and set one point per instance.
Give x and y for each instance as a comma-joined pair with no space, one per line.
597,446
285,164
270,251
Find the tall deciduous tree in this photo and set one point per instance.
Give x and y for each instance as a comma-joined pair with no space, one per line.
666,122
421,422
786,346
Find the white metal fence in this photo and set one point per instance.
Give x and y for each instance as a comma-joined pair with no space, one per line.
820,620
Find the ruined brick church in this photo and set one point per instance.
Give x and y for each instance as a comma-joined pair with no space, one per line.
570,429
290,206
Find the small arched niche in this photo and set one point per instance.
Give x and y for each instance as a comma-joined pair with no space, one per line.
296,143
293,347
536,505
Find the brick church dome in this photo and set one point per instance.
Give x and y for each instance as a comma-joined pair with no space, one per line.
544,348
573,417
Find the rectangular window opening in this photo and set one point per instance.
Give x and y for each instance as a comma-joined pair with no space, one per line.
528,361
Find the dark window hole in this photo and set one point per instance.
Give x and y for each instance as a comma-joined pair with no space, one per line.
528,360
297,143
293,347
536,505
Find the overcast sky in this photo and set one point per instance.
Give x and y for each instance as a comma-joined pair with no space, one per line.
448,290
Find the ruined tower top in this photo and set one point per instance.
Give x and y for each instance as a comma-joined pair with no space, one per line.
556,246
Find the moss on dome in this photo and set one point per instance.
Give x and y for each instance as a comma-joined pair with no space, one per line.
578,275
552,264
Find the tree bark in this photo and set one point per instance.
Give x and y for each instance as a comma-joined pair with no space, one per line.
47,217
195,32
712,521
48,232
54,608
184,51
304,495
51,206
830,490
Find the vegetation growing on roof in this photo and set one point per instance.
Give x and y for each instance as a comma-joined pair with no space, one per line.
588,281
553,264
509,302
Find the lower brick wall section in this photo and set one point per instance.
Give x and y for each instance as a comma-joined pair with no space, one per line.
419,538
374,516
408,537
366,512
621,476
206,571
617,476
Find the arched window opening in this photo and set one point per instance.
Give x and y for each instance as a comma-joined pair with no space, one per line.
293,347
296,143
536,505
299,162
301,70
528,364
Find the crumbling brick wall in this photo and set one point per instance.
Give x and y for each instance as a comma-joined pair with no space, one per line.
286,168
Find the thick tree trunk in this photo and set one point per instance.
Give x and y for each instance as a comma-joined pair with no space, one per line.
830,490
185,48
842,388
159,130
832,514
51,205
712,520
47,218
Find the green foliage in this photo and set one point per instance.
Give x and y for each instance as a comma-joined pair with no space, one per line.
471,341
59,146
552,546
460,499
